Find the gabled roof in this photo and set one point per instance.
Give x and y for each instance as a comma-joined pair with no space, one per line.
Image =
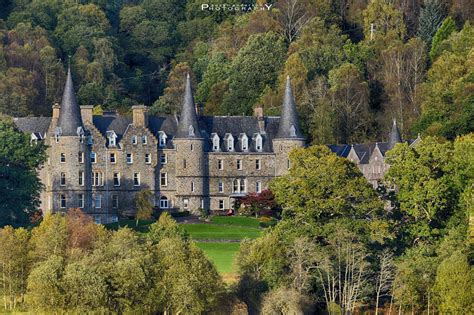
69,114
33,124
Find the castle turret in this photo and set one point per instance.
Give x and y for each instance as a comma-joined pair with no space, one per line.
289,134
394,136
69,164
191,168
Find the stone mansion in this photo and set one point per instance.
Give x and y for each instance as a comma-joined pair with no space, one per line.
98,163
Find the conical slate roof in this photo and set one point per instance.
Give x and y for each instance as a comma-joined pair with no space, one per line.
394,136
69,115
188,123
289,124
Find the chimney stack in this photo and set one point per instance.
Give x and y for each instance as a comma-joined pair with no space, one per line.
86,113
56,109
258,112
140,117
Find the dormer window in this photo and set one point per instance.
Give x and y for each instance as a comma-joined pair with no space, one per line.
134,140
80,134
244,142
112,138
162,138
258,143
230,142
215,143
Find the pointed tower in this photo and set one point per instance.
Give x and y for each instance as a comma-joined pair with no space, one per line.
394,136
289,134
69,169
69,114
191,167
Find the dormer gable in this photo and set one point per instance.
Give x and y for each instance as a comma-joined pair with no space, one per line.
229,142
352,156
244,142
111,138
215,142
376,156
258,142
162,139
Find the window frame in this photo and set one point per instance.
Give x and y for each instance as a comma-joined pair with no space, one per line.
136,179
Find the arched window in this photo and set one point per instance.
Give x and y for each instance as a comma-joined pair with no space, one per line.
163,202
230,143
258,143
215,143
242,186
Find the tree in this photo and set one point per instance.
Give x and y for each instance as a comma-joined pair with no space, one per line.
256,65
350,100
256,203
286,301
383,23
384,276
49,238
14,266
143,204
447,27
19,181
454,285
166,227
293,16
432,14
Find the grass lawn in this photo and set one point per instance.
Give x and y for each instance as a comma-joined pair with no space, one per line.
236,220
203,231
222,255
143,225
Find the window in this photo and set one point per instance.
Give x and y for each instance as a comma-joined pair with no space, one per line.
192,147
239,186
97,219
112,141
134,140
239,164
81,178
215,143
184,163
114,218
62,201
144,139
289,163
136,179
81,202
162,139
258,165
230,143
80,157
98,201
115,201
244,143
258,187
185,203
221,204
193,187
258,143
63,179
129,158
62,158
221,187
163,159
93,157
220,165
97,179
163,202
147,158
90,140
116,179
113,160
164,179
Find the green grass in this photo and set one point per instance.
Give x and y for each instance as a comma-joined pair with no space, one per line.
222,255
203,231
236,220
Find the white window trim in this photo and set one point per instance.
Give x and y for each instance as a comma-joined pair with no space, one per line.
137,177
61,155
134,140
215,143
129,161
165,178
163,159
118,179
93,157
147,158
61,198
115,158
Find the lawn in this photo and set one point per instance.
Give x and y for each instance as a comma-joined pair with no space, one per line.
222,255
206,231
236,220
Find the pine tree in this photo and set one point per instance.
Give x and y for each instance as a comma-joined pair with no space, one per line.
431,17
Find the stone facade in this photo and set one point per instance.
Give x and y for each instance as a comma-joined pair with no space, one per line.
99,163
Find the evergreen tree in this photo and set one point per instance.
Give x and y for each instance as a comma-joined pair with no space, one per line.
431,17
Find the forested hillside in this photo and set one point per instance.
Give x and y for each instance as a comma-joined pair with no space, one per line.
355,65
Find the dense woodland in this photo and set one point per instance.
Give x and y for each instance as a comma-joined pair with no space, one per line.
340,246
355,65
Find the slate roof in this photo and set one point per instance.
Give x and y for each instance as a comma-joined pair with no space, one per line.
33,124
289,116
394,136
69,114
188,123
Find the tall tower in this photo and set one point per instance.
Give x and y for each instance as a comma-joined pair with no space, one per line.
289,134
191,167
69,169
394,136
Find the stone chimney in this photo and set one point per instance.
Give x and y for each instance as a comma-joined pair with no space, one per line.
258,112
86,113
56,109
140,117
